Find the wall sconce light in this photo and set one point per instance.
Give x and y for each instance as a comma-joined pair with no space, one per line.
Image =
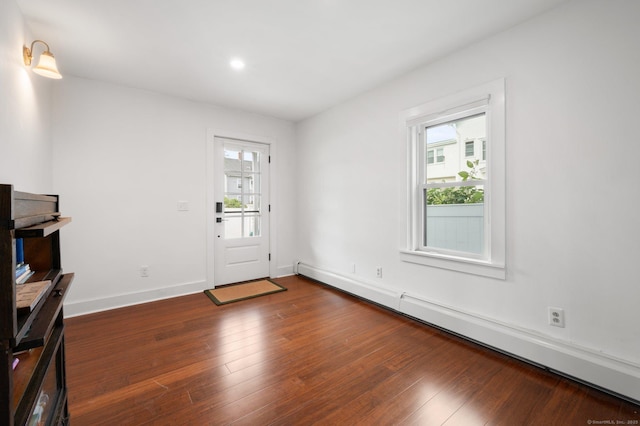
46,65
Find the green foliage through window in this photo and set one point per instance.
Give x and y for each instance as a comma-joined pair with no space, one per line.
232,203
457,195
461,194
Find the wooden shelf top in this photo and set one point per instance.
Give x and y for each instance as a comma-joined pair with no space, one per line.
42,229
19,195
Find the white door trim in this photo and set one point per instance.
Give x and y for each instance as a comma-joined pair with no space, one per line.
211,196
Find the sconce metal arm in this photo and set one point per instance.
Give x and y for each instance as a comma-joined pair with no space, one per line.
27,53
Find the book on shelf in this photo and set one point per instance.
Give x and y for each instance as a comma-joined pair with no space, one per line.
19,250
22,268
29,294
24,277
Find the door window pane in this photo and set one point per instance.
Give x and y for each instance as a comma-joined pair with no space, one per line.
251,161
232,226
252,226
251,203
251,183
232,160
242,198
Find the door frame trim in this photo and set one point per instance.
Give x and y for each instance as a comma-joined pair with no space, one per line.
210,196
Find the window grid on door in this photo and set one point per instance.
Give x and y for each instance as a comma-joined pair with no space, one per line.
242,197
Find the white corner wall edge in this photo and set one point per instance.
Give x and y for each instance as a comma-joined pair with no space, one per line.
89,306
284,271
613,375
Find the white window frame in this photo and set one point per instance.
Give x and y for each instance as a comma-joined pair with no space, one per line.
489,97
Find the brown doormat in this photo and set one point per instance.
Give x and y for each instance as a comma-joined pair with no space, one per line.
244,291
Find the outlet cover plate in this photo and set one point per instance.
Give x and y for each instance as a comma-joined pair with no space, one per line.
556,317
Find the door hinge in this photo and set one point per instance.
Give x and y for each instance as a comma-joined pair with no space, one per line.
269,257
269,207
269,159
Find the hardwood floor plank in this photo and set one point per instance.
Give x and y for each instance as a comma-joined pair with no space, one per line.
375,403
309,355
507,396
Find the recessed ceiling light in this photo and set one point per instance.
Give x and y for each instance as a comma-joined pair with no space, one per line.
237,64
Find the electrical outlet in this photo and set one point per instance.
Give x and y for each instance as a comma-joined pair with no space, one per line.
379,271
556,317
144,271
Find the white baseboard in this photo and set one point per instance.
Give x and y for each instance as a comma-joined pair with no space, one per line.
89,306
617,376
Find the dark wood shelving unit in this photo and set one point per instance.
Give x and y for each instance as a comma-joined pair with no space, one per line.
35,391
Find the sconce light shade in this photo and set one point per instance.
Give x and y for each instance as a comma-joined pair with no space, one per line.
46,65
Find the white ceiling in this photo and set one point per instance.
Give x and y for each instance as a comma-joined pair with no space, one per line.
302,56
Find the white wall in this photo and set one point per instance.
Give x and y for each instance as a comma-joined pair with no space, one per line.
573,96
25,143
123,158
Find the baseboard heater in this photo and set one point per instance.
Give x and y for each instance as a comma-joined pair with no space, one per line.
597,370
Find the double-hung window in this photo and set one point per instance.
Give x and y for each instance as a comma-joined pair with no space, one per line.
455,216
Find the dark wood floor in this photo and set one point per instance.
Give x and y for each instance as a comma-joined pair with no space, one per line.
307,355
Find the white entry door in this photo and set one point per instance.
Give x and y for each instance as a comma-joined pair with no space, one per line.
241,229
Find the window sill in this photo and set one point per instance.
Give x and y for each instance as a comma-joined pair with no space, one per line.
459,264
